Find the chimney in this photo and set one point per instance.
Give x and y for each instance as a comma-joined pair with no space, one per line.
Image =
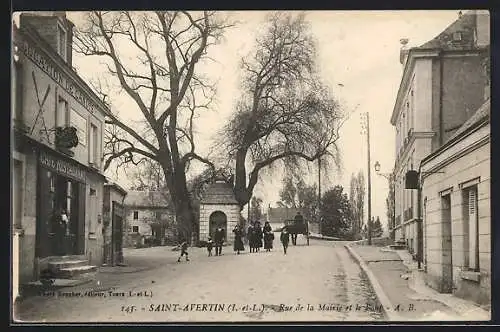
482,28
54,28
403,53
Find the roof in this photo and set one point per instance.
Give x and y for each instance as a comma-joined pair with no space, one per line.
218,193
155,199
482,113
466,25
278,215
115,186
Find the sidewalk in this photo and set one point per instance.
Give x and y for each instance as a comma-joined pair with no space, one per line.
401,289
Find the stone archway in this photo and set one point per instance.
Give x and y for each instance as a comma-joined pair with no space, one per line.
216,219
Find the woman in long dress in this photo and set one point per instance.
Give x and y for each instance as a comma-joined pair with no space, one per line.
238,241
258,236
268,237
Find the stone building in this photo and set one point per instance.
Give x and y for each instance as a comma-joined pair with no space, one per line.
149,218
456,182
113,223
58,125
218,207
442,86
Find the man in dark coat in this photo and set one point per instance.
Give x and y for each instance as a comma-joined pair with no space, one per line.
219,236
251,237
285,239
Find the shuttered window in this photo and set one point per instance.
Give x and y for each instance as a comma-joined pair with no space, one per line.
473,229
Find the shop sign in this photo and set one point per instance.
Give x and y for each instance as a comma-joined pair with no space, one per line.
62,166
59,76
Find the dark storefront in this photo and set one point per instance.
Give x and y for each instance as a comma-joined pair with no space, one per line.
117,234
61,187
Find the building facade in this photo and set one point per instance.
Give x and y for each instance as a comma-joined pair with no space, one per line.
442,86
218,207
149,218
113,223
456,197
58,125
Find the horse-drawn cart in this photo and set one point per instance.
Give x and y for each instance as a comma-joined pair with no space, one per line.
296,227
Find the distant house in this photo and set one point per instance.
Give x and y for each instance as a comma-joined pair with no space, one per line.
150,218
277,216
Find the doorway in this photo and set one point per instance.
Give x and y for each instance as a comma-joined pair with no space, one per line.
447,263
57,193
218,218
117,234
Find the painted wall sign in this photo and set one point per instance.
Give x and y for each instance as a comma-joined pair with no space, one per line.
62,166
63,79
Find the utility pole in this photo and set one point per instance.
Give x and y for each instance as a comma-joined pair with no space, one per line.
369,209
319,194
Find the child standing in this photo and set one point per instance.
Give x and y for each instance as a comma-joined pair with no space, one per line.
210,245
184,246
285,239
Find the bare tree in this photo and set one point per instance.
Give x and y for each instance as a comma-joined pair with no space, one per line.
153,59
285,113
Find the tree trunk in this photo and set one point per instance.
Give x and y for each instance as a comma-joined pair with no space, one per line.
185,215
240,182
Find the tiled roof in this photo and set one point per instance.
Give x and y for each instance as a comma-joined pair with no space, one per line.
146,199
279,215
465,25
218,193
482,113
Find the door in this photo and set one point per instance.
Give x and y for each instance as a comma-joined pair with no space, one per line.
447,264
80,202
45,213
116,233
218,218
118,239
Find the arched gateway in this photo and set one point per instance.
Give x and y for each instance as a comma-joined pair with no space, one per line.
218,207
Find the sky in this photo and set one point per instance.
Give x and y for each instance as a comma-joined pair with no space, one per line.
358,57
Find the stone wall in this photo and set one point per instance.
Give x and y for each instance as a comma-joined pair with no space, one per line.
474,165
232,213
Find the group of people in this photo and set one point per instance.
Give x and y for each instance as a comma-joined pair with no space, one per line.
255,235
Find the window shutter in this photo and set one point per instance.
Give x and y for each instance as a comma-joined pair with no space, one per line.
473,230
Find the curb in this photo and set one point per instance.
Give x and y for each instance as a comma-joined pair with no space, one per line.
379,291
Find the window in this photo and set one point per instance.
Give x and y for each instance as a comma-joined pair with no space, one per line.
136,215
62,113
457,36
135,229
93,147
470,224
80,123
61,41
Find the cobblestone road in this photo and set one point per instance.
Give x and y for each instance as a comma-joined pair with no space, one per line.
320,282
